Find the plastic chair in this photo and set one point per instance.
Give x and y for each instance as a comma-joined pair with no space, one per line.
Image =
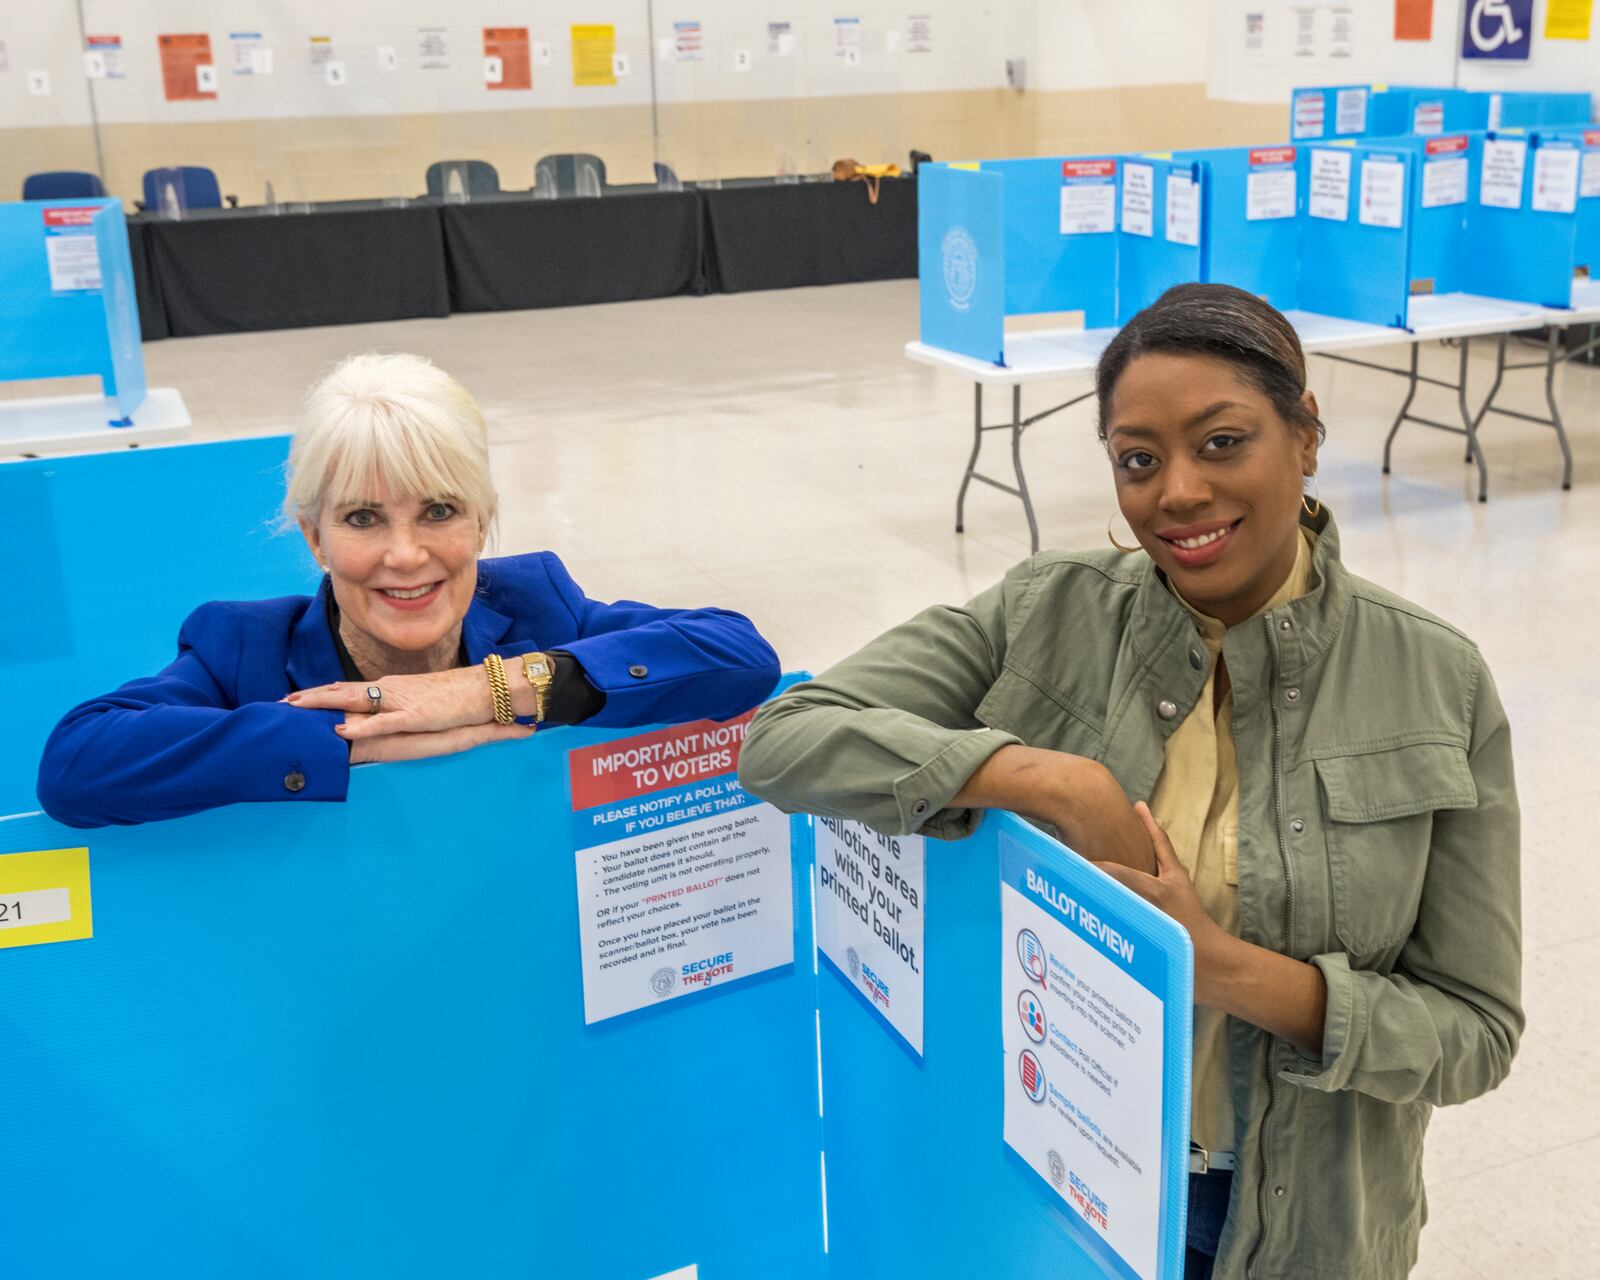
63,184
574,173
198,188
481,177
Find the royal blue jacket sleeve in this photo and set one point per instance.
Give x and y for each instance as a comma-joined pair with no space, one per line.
664,666
174,743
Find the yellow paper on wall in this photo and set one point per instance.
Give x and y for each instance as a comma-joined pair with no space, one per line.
592,47
44,897
1567,19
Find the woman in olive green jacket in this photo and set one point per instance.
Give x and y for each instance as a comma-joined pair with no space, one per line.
1332,764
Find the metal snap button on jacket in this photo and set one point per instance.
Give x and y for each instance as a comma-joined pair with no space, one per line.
921,807
638,671
295,781
1167,709
1196,660
1291,695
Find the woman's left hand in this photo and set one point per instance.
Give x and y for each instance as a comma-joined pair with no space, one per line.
411,704
1172,890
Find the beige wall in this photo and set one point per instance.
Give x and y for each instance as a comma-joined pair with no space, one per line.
354,156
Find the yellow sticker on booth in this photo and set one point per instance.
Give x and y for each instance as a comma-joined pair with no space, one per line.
1157,155
969,165
44,897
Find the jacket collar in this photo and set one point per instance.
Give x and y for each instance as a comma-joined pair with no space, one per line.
313,660
1316,617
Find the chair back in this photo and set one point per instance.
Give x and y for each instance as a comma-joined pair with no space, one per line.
572,173
62,184
197,187
478,176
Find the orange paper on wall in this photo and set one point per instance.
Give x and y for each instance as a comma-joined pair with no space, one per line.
510,45
181,60
1413,19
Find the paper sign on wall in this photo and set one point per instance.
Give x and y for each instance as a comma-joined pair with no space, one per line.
1138,199
1338,31
1383,192
688,42
1309,111
1083,1033
388,58
1350,111
780,39
112,65
1555,178
1504,161
182,56
507,46
847,40
592,48
39,82
1329,196
1567,19
919,33
871,896
684,879
1088,197
333,72
322,50
1270,187
1183,208
541,53
245,45
1444,172
1413,19
742,60
433,48
44,896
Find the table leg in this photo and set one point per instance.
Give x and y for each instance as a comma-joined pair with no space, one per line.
1474,452
1411,394
1552,347
972,462
1017,427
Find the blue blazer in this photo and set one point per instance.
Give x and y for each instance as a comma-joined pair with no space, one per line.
211,729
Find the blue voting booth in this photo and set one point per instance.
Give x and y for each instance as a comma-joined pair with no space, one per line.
1162,234
1354,244
350,1039
67,298
1522,216
1014,237
1252,227
1322,114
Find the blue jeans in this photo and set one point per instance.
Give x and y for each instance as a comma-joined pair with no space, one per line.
1208,1210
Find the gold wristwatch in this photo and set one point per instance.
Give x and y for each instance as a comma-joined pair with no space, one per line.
540,671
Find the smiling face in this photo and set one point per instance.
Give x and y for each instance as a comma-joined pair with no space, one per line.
1209,477
402,570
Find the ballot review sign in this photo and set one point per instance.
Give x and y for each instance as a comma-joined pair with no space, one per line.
684,878
1087,1097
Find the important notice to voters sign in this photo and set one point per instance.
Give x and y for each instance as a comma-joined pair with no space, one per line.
683,877
871,895
1094,1082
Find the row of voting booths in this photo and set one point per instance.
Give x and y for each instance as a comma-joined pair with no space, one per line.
1353,228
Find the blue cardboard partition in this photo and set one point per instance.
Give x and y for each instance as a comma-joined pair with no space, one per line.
1527,110
62,317
1352,267
1425,110
1257,253
1152,252
961,260
335,1040
895,1128
1586,246
1322,113
1445,170
1050,269
120,548
1517,251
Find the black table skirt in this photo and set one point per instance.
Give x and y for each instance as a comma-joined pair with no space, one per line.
511,255
146,285
242,272
783,236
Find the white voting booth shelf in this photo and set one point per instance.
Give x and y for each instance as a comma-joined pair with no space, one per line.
1361,243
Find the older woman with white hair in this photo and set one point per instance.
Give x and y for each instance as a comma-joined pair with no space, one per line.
412,645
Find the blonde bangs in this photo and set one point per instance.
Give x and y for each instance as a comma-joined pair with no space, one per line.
389,422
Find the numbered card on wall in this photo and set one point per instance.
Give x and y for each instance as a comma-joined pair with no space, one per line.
494,70
742,60
39,83
388,58
261,62
94,66
335,72
619,65
541,53
205,78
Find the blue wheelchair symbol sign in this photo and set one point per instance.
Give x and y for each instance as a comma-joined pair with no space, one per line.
1497,29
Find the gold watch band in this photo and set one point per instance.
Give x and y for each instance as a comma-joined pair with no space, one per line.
499,690
540,673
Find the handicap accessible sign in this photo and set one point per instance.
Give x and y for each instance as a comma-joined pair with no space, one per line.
1501,29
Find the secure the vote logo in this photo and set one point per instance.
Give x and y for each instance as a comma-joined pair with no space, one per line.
1031,1012
1030,951
960,255
1031,1074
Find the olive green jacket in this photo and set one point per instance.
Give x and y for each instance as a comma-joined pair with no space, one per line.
1378,840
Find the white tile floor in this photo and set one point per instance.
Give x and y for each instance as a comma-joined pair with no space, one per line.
776,454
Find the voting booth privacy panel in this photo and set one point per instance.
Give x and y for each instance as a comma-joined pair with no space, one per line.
68,299
531,1009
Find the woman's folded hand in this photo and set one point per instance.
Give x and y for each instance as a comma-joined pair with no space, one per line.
417,704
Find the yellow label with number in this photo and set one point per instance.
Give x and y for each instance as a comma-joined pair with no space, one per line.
44,897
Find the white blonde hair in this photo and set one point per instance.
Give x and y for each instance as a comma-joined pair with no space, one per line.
394,421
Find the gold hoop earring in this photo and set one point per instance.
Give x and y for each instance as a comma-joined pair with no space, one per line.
1307,506
1112,538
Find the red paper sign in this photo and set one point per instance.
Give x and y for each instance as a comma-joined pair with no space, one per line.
181,59
676,757
1088,168
1271,155
510,45
1444,146
69,217
1413,19
1591,137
